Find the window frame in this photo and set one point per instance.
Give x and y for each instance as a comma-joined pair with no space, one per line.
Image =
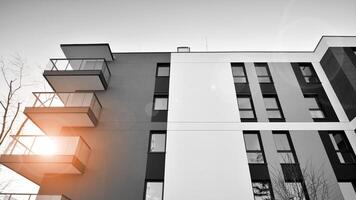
314,75
266,66
291,147
282,118
320,107
153,181
167,65
255,151
263,182
349,149
245,109
158,132
154,102
243,69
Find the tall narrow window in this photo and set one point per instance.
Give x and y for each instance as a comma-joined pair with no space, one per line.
253,147
263,73
262,190
342,148
238,72
160,103
314,107
272,107
246,107
158,142
308,73
162,70
284,147
154,190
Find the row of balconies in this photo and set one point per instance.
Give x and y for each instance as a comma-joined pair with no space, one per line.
72,104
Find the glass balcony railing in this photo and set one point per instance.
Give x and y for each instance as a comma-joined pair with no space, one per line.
67,100
16,196
49,146
79,65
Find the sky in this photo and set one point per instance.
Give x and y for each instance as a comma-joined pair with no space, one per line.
34,29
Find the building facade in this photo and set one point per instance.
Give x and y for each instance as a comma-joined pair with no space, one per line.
194,125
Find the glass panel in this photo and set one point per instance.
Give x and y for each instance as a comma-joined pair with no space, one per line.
247,114
158,143
238,71
154,191
295,191
261,191
161,103
240,80
244,103
261,71
340,141
163,71
317,114
274,114
255,157
341,159
281,142
346,157
306,71
270,102
252,142
348,190
264,80
311,102
286,157
333,141
311,79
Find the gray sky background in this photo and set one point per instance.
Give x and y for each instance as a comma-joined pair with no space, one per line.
34,29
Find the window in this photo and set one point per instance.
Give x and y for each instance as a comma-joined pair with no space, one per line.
308,73
160,103
348,190
262,190
284,147
272,107
253,147
162,70
245,107
313,106
342,147
238,72
263,74
294,191
154,191
158,142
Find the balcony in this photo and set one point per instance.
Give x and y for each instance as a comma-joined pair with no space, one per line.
35,155
99,50
69,75
17,196
52,111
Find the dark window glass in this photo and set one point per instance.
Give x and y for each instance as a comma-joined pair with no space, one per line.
308,73
262,190
253,147
158,142
263,74
245,107
239,73
272,107
154,190
313,106
284,147
342,148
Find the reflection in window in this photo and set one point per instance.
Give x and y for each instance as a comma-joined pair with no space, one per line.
308,73
262,190
154,191
238,72
272,107
283,147
158,142
253,147
160,103
295,191
245,107
314,108
162,69
342,147
263,74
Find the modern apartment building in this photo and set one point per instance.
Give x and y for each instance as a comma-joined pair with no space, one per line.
192,125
